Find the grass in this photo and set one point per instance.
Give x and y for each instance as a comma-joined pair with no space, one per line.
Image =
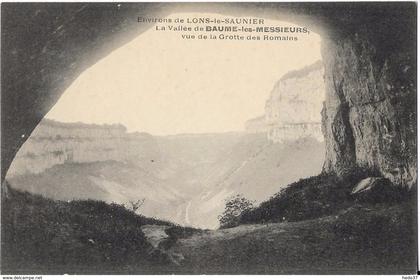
313,226
316,197
178,232
375,239
40,235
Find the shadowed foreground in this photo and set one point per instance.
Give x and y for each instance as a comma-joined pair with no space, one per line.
43,236
348,235
368,240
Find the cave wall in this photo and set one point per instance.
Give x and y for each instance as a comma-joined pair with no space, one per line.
369,117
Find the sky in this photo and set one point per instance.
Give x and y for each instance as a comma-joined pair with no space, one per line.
162,84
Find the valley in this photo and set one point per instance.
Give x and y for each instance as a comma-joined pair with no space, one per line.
184,179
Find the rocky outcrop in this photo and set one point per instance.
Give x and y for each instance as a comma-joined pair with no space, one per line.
297,97
369,116
377,190
53,143
293,110
368,184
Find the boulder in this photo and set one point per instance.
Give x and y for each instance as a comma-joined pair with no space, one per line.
367,184
376,190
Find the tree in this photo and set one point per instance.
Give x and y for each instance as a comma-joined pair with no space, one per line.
235,206
135,205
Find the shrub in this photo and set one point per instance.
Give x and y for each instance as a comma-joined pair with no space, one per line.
135,205
308,198
235,206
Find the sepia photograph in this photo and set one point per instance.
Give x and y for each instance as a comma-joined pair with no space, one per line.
219,138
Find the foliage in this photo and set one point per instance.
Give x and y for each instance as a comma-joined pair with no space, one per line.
308,198
136,205
235,206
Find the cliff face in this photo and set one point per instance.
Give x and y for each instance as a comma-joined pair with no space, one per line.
369,116
297,97
293,110
53,143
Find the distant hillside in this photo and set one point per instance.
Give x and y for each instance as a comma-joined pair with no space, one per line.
109,181
257,169
53,143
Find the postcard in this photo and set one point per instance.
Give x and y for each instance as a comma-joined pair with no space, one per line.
209,138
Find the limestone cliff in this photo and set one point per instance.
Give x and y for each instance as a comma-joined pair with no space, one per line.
369,116
293,109
53,143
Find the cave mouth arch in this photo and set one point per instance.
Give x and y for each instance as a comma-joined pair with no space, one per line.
51,60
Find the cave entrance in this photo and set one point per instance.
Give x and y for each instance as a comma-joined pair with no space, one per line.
82,48
175,108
